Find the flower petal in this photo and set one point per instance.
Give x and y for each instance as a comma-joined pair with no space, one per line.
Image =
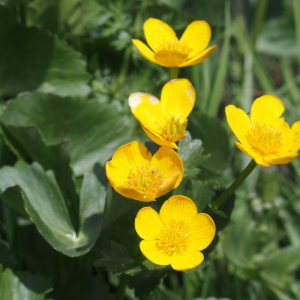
168,185
197,36
126,158
148,224
187,260
155,255
198,58
144,50
158,32
203,230
170,163
147,109
177,208
170,59
157,138
130,193
178,98
267,109
259,159
282,160
239,123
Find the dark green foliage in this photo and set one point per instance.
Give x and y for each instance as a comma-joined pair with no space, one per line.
67,68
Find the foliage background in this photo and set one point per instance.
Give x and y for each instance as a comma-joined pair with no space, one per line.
67,68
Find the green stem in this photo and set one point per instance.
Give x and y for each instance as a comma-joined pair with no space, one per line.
174,73
235,184
122,287
208,277
260,14
23,14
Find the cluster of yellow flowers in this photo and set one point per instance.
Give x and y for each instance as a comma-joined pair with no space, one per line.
178,233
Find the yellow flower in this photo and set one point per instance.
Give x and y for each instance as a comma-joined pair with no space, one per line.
135,173
175,235
170,52
165,121
265,136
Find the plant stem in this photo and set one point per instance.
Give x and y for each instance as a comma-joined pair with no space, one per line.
174,73
259,17
23,14
122,287
235,184
208,277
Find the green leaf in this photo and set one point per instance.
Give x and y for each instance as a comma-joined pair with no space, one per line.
22,285
94,130
242,244
27,141
83,286
201,192
116,258
34,60
277,37
191,153
47,208
7,260
215,141
279,264
145,281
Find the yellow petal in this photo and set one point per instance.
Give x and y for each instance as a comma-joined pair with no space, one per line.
178,208
170,59
147,109
144,50
127,157
282,160
155,255
267,109
239,123
168,185
198,58
170,163
187,260
157,32
157,138
197,36
148,224
178,98
203,230
130,193
259,159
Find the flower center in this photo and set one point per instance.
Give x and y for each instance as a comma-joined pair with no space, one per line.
145,180
174,238
175,46
174,129
265,138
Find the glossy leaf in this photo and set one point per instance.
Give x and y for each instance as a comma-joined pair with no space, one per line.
22,285
34,60
214,138
94,130
47,208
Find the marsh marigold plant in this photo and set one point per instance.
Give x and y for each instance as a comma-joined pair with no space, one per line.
176,235
165,121
169,51
135,173
265,136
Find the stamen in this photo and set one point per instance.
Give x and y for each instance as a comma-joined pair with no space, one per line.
174,129
265,138
175,46
173,239
145,180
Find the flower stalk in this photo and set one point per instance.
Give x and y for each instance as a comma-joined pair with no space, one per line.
122,287
223,198
174,73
